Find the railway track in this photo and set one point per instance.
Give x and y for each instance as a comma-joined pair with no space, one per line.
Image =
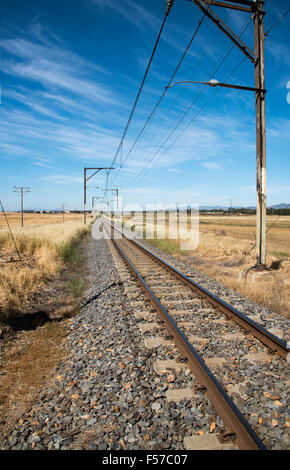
199,322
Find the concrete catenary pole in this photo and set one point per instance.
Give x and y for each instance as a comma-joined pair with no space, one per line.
86,179
260,137
256,9
85,195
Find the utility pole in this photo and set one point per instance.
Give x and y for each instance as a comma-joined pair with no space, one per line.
231,206
177,222
95,198
114,190
21,190
63,212
117,194
260,137
86,179
256,9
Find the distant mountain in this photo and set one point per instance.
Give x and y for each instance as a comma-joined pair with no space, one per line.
42,209
226,208
211,208
282,205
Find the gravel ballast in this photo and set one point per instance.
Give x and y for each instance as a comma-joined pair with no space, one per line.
106,394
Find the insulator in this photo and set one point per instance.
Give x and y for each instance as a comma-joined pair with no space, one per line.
169,5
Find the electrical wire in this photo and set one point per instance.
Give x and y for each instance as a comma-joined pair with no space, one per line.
276,22
190,107
193,118
164,92
210,99
220,63
142,83
180,91
106,187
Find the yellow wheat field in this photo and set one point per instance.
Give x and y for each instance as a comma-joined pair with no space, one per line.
32,219
43,247
227,253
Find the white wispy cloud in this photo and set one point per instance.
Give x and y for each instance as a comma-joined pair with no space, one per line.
10,148
70,97
279,51
141,18
63,179
31,100
174,170
57,69
201,141
131,11
211,165
279,129
41,164
80,142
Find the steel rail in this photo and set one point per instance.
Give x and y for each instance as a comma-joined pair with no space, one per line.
246,438
266,337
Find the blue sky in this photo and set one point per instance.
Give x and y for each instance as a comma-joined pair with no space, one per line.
70,72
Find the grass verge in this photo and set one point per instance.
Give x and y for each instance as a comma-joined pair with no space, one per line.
42,259
30,354
169,246
68,250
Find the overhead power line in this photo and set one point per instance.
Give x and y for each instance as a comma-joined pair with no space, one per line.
220,63
169,4
139,174
164,92
180,92
276,22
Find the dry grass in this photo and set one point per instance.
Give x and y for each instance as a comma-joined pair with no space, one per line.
224,253
44,250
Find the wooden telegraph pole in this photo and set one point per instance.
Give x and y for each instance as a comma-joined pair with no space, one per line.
255,8
21,190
